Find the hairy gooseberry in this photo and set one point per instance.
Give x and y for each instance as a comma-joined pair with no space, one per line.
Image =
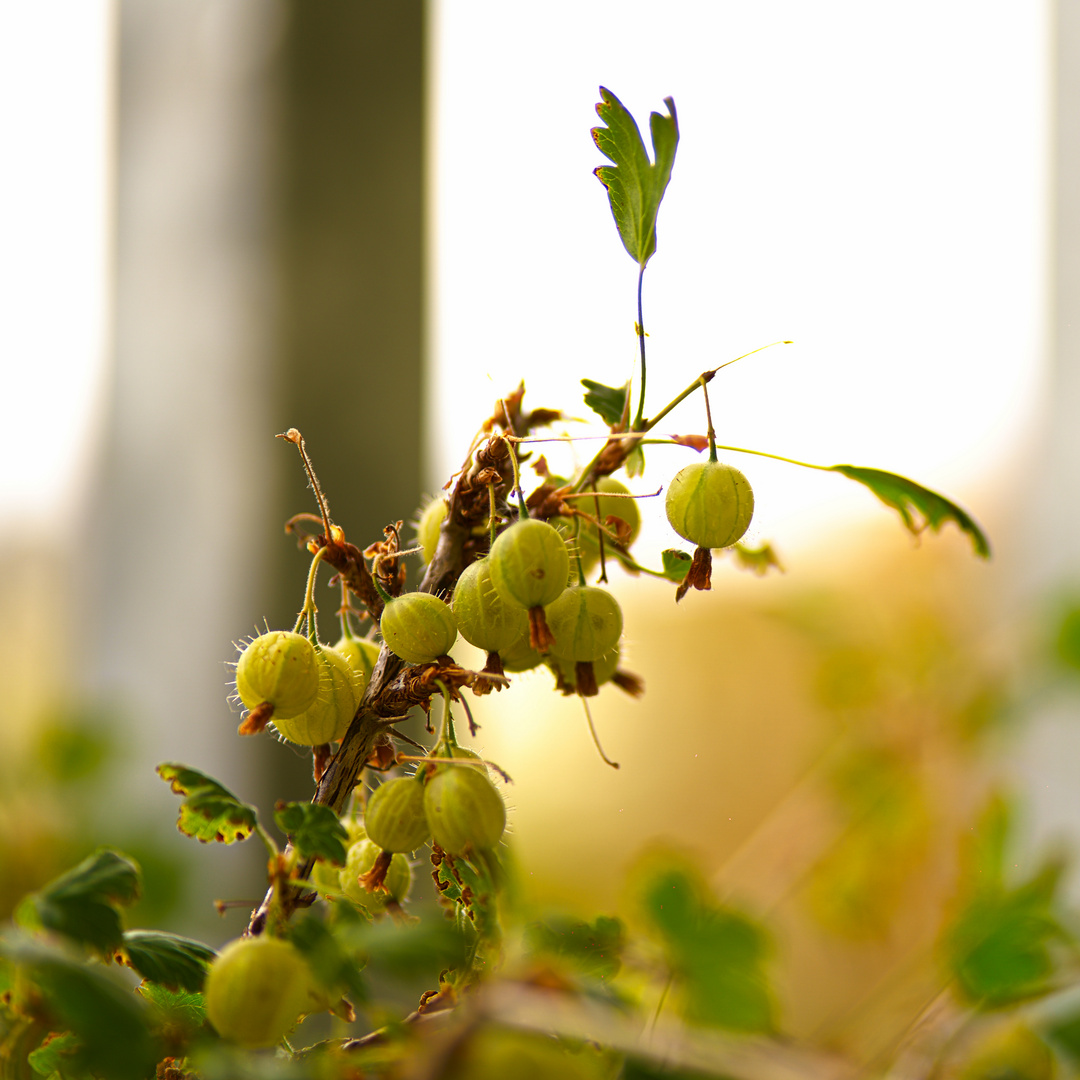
361,653
278,674
362,856
710,504
428,525
586,622
418,627
464,809
520,656
624,509
484,618
256,989
329,715
395,818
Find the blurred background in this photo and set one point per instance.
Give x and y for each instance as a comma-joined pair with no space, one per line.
369,220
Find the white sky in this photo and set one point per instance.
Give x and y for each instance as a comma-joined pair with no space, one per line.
865,179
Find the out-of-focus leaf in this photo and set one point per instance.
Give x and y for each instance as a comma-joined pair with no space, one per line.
635,186
315,830
757,560
56,1055
210,811
635,462
1068,638
676,564
183,1009
591,948
336,966
111,1024
919,507
608,402
174,961
717,954
83,903
70,749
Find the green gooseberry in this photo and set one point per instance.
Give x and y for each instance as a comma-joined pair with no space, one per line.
329,716
428,525
361,653
710,504
395,818
464,809
483,617
362,856
418,627
280,669
627,509
529,564
520,656
566,670
586,622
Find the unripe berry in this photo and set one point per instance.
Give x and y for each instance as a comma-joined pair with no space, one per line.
362,856
464,809
520,656
279,669
428,526
395,818
361,654
418,627
627,509
484,618
529,564
566,670
586,622
256,990
328,717
710,504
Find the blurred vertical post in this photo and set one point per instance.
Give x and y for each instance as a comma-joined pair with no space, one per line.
268,275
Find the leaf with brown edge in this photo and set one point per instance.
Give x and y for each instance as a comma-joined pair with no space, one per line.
210,812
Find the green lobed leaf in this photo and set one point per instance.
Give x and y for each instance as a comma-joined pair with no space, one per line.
180,1009
314,830
635,186
83,904
592,948
56,1055
210,811
919,507
110,1023
676,564
608,402
169,959
717,954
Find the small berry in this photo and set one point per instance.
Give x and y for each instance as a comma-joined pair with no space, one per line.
520,656
329,716
361,653
483,617
418,627
427,527
626,509
566,670
256,990
529,568
394,818
586,622
710,504
464,809
280,670
362,856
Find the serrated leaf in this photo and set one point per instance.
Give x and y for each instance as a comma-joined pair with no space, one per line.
608,402
314,830
84,903
676,564
757,560
919,507
56,1055
210,811
111,1024
592,948
635,186
184,1009
174,961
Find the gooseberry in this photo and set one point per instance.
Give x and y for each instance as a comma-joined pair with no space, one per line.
427,527
484,618
520,656
362,856
278,672
464,809
256,989
418,627
586,622
328,717
710,504
395,818
361,653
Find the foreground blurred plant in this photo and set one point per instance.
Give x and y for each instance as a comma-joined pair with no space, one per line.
681,989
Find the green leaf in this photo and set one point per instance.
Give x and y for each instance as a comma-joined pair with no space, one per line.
111,1024
174,961
635,186
210,811
183,1009
757,560
315,830
716,953
676,564
335,964
919,508
56,1055
591,948
608,402
84,903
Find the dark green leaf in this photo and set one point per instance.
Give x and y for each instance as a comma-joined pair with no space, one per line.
110,1022
717,954
83,903
591,948
919,508
174,961
757,560
608,402
210,811
56,1055
315,830
676,564
635,186
182,1009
